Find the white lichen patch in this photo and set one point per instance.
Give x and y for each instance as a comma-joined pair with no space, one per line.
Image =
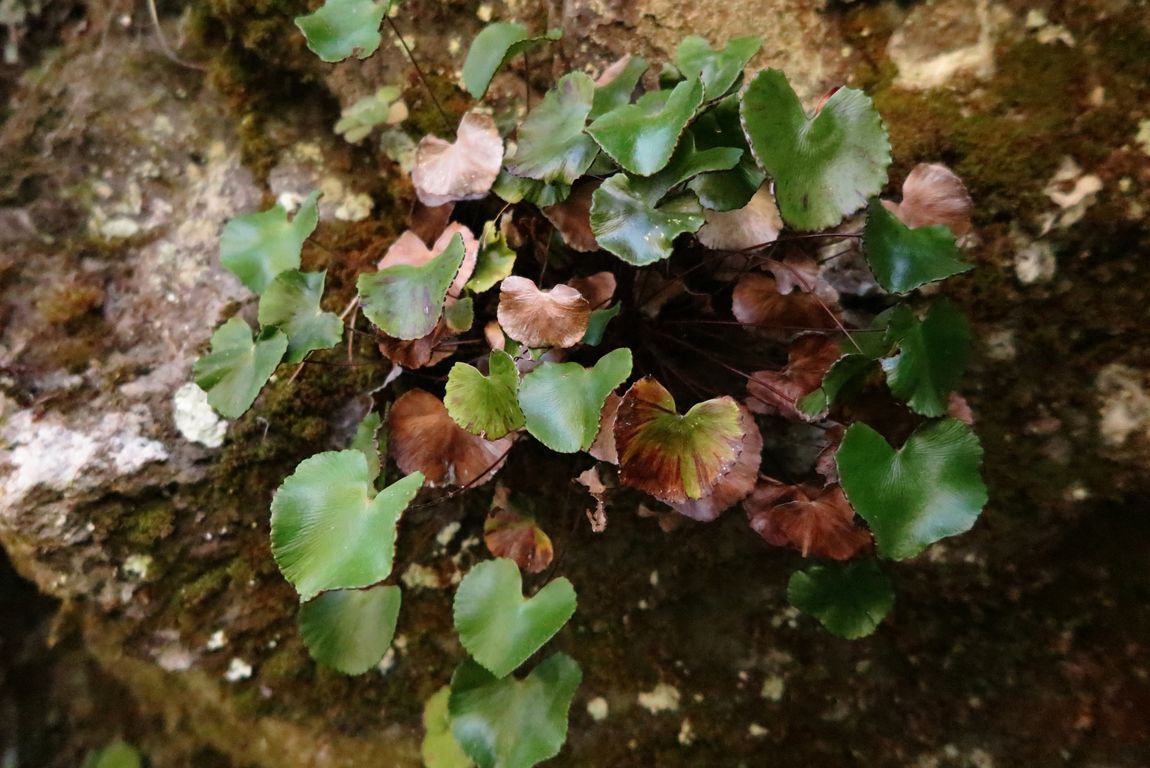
195,418
1142,138
238,670
216,640
447,533
756,731
1034,262
597,708
136,566
773,688
1045,31
686,733
662,698
419,576
49,454
1125,409
1073,191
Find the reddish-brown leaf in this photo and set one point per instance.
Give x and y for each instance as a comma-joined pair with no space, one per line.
757,302
756,223
425,438
572,217
809,358
603,448
818,522
507,533
418,353
409,249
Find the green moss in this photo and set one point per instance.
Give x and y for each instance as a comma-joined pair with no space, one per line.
207,585
146,525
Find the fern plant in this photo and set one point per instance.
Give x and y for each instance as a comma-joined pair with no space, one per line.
652,286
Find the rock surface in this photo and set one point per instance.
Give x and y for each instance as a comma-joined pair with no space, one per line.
1024,643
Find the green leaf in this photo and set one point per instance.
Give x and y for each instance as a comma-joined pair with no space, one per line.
509,723
493,47
349,630
406,302
849,599
494,262
931,358
440,749
459,316
846,371
721,70
118,754
824,167
902,258
256,247
291,303
562,402
725,190
497,625
675,458
516,189
485,405
641,137
627,222
552,145
597,325
330,529
925,491
343,28
366,441
237,368
618,92
686,163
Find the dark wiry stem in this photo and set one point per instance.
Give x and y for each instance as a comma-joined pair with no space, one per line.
422,77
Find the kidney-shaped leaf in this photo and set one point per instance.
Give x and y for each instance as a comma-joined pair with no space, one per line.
495,259
291,303
497,625
849,599
509,723
733,486
556,317
626,221
675,458
485,405
902,258
493,47
237,368
330,529
464,169
726,190
256,247
719,70
349,630
824,167
405,301
552,145
641,137
439,748
424,438
818,522
562,402
931,358
343,28
912,497
933,194
507,533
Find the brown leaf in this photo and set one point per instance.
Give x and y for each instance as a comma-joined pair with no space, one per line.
818,522
933,194
494,335
417,353
424,438
825,463
409,249
428,222
736,484
554,318
603,448
590,480
461,170
572,217
809,358
507,533
613,70
958,408
757,302
598,288
756,223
